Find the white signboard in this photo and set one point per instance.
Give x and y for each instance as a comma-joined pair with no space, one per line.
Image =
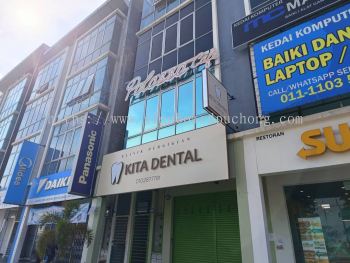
193,157
214,95
318,144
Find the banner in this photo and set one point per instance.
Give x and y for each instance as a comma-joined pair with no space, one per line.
17,191
274,16
308,63
83,178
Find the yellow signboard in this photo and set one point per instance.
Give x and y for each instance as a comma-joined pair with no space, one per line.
321,140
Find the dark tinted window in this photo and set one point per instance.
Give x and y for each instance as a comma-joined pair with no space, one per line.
186,52
172,19
259,3
157,44
156,66
204,43
141,73
200,3
159,27
203,20
186,10
170,60
186,32
145,36
171,38
142,54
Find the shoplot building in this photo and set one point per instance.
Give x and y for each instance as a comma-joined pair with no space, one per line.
177,186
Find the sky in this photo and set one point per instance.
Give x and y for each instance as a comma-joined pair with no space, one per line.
26,24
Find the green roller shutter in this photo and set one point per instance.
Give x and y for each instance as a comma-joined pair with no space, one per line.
206,229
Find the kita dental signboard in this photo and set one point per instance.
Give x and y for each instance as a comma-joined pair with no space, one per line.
306,64
274,16
17,190
50,188
83,178
183,159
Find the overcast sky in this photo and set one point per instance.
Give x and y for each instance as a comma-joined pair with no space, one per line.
25,24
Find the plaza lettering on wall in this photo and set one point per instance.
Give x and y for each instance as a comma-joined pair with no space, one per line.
319,140
136,87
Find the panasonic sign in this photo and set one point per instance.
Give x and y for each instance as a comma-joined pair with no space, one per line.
83,176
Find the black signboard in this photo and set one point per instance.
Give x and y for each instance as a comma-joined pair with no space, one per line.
274,16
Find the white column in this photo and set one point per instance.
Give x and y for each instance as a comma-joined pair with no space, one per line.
256,204
96,223
20,236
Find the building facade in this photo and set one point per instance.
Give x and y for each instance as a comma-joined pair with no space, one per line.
185,131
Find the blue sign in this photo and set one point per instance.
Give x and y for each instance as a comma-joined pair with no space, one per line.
308,63
83,179
17,191
49,188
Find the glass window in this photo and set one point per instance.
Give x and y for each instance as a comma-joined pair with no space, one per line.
205,120
135,119
166,132
203,20
186,52
167,112
172,19
171,4
157,46
93,45
86,89
160,10
149,137
133,142
200,3
147,7
13,98
156,66
170,60
142,54
186,30
48,77
186,10
63,146
199,96
157,28
184,127
171,38
319,216
185,107
151,117
204,43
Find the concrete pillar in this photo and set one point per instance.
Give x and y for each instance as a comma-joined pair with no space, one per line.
20,236
251,208
96,223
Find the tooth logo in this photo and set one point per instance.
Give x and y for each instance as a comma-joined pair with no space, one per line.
41,185
116,172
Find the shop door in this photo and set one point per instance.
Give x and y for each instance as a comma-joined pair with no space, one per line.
206,229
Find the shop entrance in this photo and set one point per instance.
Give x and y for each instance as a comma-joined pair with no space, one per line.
206,229
320,222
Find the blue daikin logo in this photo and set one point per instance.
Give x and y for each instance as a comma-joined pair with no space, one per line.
116,172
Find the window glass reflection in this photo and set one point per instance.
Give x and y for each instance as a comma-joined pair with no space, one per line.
135,119
151,118
167,114
185,107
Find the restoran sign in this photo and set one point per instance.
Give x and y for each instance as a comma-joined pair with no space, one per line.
136,87
178,160
306,64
